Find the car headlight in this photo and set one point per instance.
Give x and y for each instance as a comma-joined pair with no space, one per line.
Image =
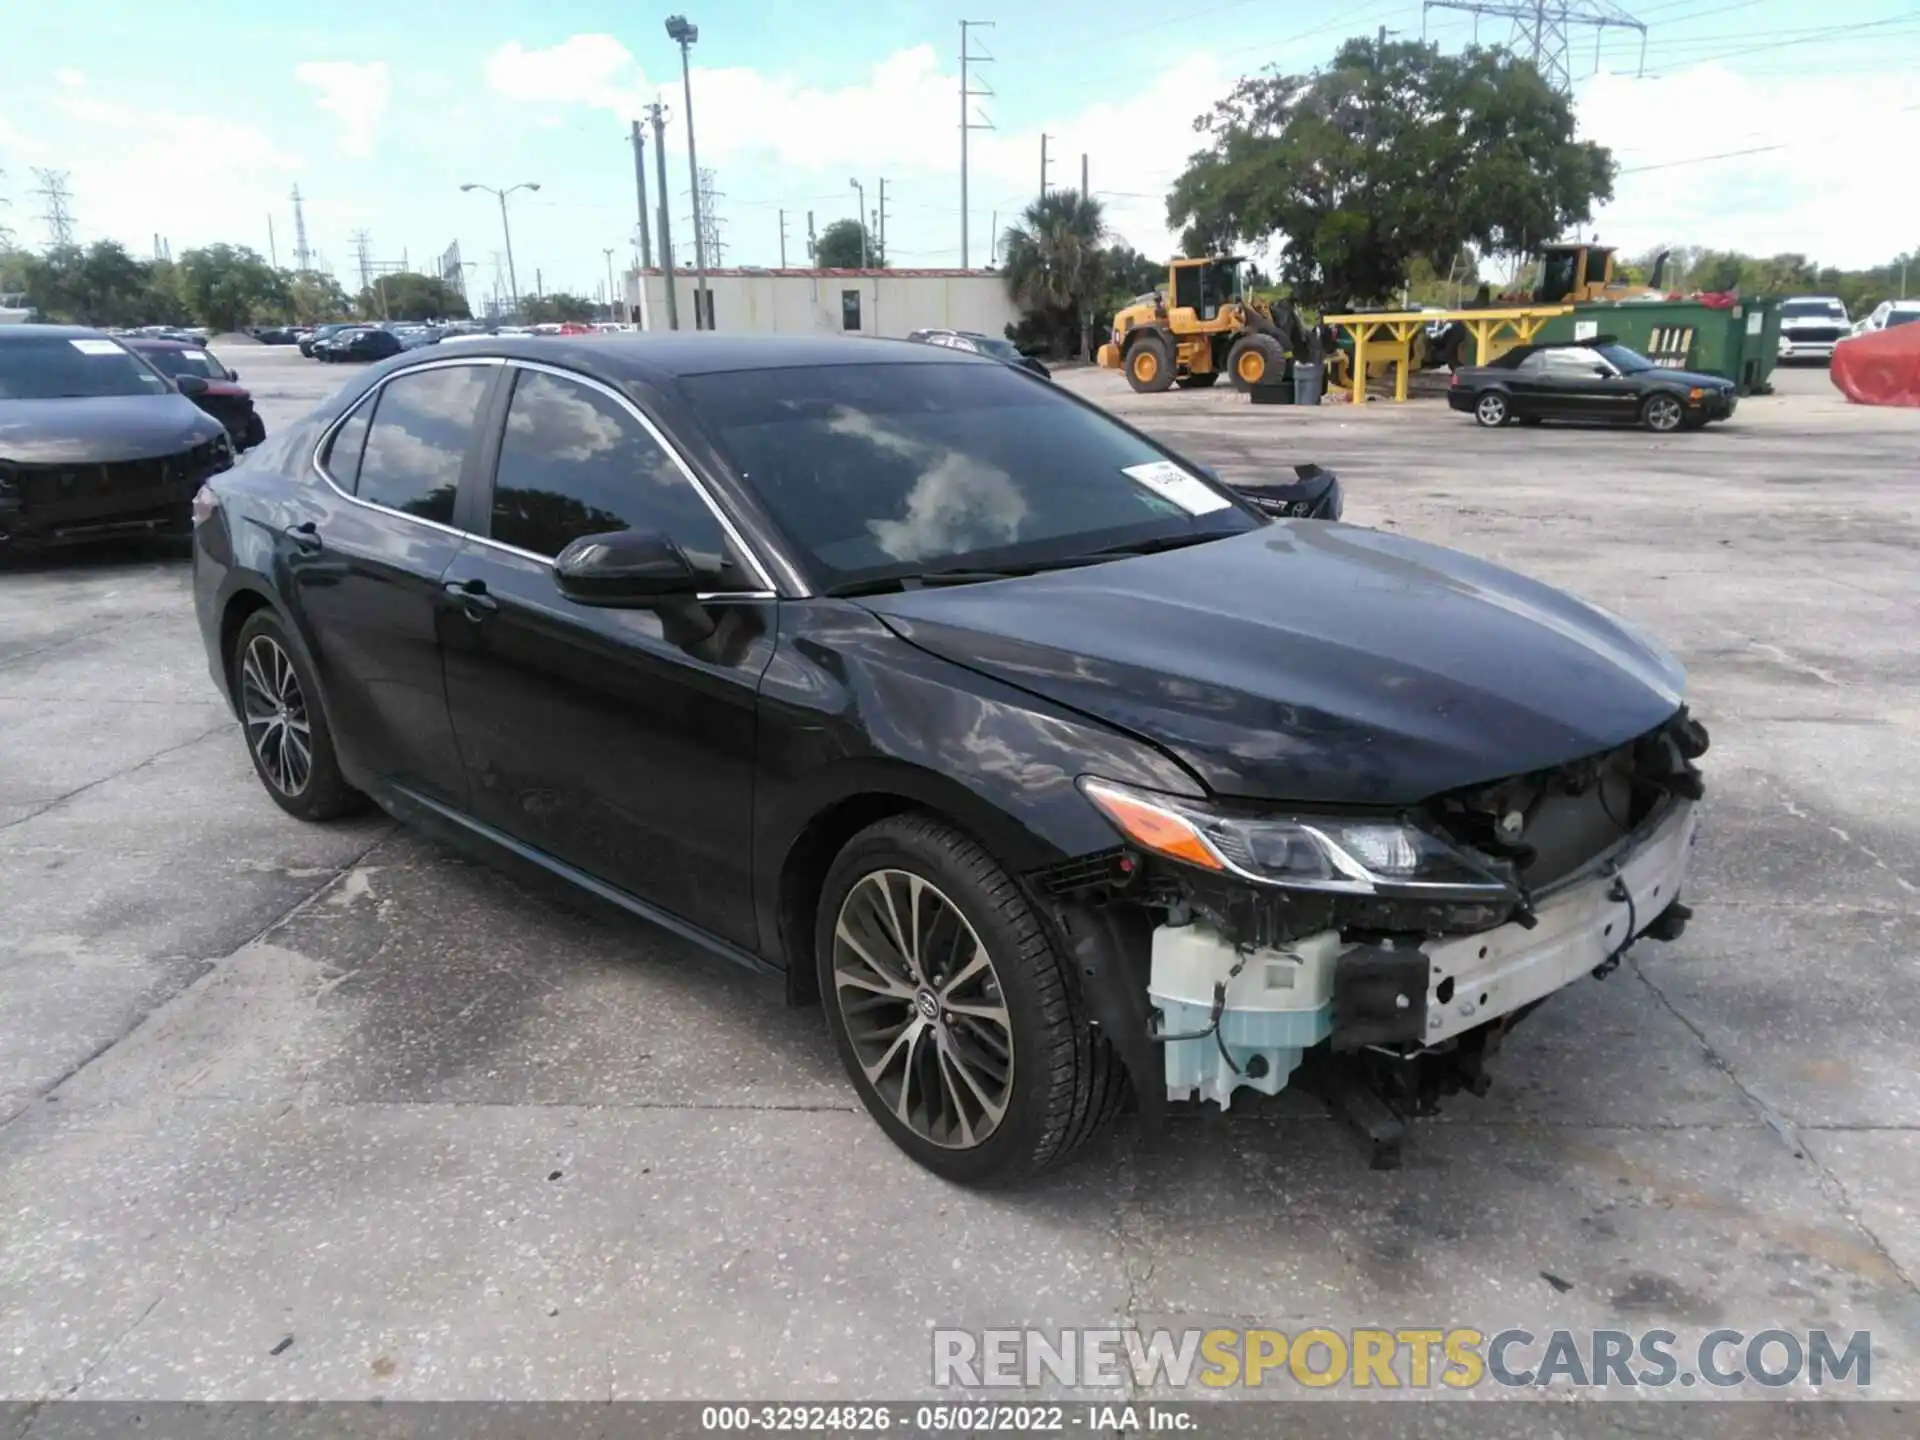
1324,853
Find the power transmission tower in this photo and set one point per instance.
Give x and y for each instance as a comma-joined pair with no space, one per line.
1541,29
58,216
709,221
362,252
302,254
967,122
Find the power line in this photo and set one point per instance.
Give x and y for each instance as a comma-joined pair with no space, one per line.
1749,150
1541,29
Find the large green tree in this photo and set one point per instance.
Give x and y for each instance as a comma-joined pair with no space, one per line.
1392,151
838,247
410,296
228,286
1053,257
556,308
315,297
98,285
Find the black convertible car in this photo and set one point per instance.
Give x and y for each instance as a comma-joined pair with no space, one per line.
1052,765
1596,381
94,441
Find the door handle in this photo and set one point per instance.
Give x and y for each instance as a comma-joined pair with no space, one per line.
305,536
472,598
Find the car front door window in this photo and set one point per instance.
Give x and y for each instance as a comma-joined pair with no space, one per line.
574,462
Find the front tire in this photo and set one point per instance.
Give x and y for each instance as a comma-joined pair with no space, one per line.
285,723
955,1014
1150,365
1256,360
1492,410
1662,413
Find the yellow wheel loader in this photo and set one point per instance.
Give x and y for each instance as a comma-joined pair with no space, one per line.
1200,328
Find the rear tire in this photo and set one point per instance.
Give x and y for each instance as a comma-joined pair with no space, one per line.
1149,365
1256,360
974,1099
284,723
1491,409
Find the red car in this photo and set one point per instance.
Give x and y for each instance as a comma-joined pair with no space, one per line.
205,381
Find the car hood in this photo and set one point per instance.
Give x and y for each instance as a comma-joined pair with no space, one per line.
101,431
1313,661
1694,377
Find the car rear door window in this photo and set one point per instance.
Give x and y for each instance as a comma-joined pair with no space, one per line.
575,462
418,441
342,458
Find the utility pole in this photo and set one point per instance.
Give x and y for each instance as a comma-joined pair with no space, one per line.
684,35
967,122
812,258
539,285
640,191
881,227
1084,192
1043,165
993,245
607,251
860,218
273,249
659,116
783,239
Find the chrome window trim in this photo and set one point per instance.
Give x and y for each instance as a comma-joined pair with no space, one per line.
767,590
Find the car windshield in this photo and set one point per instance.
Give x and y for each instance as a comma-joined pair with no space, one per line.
895,470
55,367
1626,361
999,349
175,363
1812,310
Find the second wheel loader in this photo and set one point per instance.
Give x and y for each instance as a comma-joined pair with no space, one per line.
1202,327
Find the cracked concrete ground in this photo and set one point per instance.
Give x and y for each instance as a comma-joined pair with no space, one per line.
292,1111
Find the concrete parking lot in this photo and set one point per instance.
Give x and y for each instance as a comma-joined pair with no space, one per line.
292,1111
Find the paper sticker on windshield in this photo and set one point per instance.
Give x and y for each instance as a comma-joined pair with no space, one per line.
95,347
1170,482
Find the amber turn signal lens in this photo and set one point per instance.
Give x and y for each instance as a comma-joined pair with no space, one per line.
1152,827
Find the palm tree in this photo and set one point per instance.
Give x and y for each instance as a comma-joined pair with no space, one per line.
1053,257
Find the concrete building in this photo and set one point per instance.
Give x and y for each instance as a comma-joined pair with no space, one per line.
832,302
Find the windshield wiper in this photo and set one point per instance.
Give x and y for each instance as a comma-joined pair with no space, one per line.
929,579
1157,544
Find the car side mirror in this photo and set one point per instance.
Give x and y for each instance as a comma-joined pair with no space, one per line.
191,386
1603,372
233,374
623,568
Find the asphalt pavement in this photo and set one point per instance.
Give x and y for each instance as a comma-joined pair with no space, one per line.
331,1112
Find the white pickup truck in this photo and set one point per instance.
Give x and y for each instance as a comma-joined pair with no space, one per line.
14,310
1810,326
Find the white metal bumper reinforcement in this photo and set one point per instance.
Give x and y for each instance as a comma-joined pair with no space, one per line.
1476,978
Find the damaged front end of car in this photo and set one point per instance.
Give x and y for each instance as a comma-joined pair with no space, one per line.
1374,958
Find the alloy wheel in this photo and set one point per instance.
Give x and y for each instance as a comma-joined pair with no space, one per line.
1663,413
1492,410
923,1008
275,711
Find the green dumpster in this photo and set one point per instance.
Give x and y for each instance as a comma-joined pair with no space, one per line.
1740,343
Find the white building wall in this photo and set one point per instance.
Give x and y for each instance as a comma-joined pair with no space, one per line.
891,303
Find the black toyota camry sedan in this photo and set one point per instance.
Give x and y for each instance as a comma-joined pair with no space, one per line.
94,442
1056,768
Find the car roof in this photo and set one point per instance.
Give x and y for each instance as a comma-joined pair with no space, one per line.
159,342
54,332
656,357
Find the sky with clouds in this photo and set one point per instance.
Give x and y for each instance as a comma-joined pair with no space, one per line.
195,123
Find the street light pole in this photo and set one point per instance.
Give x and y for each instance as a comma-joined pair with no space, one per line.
684,35
506,231
608,252
860,219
